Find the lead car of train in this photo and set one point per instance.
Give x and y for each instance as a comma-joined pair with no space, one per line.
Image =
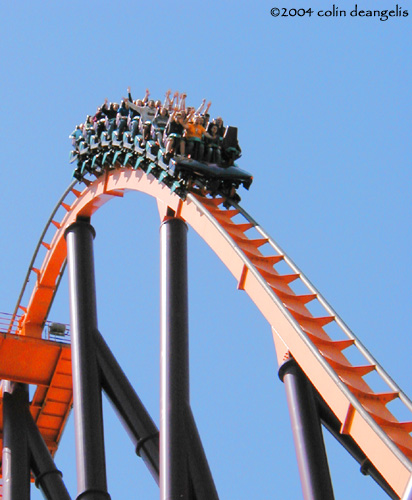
96,155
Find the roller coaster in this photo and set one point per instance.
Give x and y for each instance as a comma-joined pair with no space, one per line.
70,365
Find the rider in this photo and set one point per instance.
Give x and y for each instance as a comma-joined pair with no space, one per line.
194,134
173,134
121,119
147,114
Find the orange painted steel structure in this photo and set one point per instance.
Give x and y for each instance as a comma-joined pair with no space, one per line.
254,259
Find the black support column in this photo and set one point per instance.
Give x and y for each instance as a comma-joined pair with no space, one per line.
87,402
131,411
48,478
307,433
16,465
199,471
174,361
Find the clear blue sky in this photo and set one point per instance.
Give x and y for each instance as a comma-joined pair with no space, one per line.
323,110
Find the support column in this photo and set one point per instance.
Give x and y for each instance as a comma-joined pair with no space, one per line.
200,475
134,416
174,361
307,434
87,397
48,478
16,465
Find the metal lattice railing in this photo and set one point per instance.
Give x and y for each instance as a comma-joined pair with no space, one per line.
56,332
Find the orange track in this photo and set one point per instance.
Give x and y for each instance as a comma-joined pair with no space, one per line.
364,414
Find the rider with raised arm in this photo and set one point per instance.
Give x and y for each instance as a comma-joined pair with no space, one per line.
134,116
147,114
194,137
111,113
173,135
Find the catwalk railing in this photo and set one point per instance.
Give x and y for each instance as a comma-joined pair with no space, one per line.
56,332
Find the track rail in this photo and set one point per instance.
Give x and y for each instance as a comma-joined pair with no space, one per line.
270,278
31,269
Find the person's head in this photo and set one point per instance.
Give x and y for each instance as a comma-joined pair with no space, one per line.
158,104
151,103
178,117
198,120
163,111
114,105
138,102
219,121
213,130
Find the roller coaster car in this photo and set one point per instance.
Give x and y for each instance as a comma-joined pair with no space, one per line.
217,177
211,172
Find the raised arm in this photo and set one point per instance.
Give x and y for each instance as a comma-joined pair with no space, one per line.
200,108
168,102
190,115
104,107
169,121
135,107
129,95
182,101
175,101
146,97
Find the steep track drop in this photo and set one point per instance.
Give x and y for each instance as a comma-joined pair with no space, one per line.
255,261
